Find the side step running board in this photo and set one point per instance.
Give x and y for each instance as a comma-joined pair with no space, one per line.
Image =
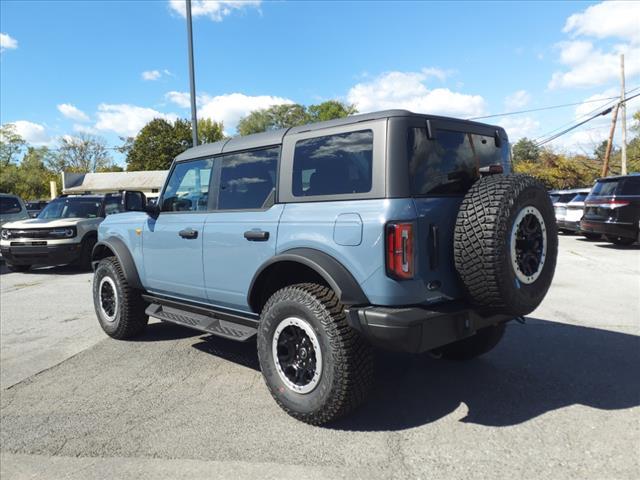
205,322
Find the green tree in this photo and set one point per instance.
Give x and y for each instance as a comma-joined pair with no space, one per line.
330,110
525,150
82,154
30,178
210,131
158,143
273,118
292,115
11,144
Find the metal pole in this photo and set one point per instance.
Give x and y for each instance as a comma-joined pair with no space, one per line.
607,153
623,119
192,77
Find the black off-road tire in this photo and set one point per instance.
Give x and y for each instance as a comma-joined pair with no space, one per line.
482,244
84,261
591,236
129,319
482,342
347,372
18,268
622,241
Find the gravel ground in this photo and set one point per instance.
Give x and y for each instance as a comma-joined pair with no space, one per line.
558,398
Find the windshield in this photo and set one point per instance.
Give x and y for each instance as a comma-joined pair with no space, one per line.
71,207
9,205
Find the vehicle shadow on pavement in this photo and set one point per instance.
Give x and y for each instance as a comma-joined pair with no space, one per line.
59,270
539,367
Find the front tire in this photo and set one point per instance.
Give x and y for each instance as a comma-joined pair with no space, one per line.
482,342
120,308
18,268
315,365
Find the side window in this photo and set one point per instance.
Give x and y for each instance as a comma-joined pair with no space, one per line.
630,186
450,163
112,204
333,164
248,179
188,187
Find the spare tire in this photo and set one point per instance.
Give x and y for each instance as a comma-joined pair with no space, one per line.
506,243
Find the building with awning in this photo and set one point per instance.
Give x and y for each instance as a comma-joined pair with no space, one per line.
149,182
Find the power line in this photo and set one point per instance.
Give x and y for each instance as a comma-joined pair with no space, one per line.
609,103
567,130
551,107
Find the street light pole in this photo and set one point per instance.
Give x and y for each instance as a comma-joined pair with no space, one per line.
192,77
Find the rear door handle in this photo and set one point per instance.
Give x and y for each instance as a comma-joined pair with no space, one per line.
188,233
256,235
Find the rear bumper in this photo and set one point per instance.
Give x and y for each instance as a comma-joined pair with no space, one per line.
574,226
417,329
617,229
41,255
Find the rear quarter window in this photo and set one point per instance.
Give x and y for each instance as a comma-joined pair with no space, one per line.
450,163
333,164
630,186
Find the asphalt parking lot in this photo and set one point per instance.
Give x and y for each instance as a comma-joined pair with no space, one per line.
558,398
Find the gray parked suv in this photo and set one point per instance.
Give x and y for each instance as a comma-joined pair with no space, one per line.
393,229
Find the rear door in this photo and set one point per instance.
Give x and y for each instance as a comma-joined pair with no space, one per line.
240,233
445,158
172,243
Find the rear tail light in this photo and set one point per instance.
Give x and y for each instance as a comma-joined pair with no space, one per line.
399,247
607,203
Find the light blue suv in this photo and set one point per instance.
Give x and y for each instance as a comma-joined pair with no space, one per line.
394,229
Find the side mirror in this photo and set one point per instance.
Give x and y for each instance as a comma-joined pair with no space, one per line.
153,209
133,201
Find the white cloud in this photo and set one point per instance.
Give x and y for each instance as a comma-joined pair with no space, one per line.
72,112
518,127
407,90
216,10
230,108
182,99
7,42
151,75
607,19
518,99
33,133
588,65
126,120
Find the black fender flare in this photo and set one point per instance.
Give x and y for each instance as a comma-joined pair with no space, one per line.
331,270
125,259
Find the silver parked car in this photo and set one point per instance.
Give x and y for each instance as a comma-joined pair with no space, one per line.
12,208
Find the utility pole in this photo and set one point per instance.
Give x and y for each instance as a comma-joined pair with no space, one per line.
605,165
623,119
192,77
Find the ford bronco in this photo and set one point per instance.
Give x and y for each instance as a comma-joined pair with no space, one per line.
392,229
64,232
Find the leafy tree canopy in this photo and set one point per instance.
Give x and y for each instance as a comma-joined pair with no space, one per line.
525,150
292,115
160,141
11,144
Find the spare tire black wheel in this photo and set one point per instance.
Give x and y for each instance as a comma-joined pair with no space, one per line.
506,243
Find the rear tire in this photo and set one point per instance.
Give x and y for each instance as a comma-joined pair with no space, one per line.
592,236
18,268
482,342
623,241
326,381
506,244
120,308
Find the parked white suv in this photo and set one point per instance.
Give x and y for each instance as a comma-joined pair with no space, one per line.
11,208
64,232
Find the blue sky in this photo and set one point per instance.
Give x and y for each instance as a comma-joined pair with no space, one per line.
109,67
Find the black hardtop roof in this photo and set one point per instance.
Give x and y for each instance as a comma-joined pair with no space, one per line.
617,177
275,137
